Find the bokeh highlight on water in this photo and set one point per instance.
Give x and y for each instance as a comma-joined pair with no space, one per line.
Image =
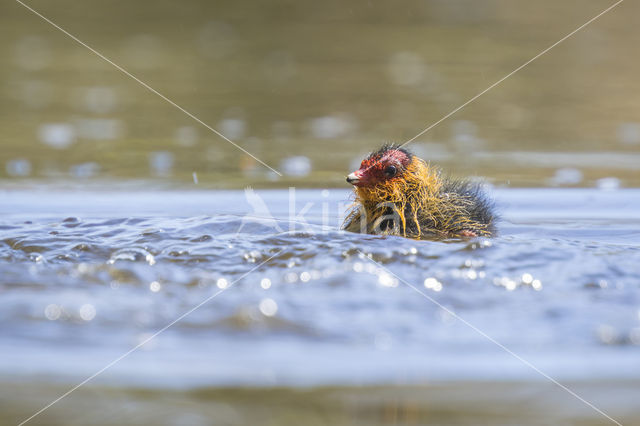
87,288
558,287
110,230
311,89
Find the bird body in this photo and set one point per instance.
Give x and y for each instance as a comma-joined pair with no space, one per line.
397,193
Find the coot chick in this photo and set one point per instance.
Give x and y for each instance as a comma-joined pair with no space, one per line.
397,193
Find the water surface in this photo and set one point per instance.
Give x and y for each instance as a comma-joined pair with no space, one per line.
85,276
560,281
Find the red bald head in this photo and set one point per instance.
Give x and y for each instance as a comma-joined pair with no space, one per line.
389,162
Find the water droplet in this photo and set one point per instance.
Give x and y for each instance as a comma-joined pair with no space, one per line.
608,183
99,129
84,170
387,280
465,136
155,286
19,167
233,128
161,163
291,277
433,284
607,334
52,312
186,136
506,282
100,99
298,166
57,135
36,257
629,133
567,176
222,283
265,283
332,126
132,254
268,307
87,312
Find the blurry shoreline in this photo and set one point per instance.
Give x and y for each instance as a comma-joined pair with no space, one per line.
495,403
310,89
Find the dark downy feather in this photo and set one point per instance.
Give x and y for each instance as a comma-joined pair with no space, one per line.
428,205
481,208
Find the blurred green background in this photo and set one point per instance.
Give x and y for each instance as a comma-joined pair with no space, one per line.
310,87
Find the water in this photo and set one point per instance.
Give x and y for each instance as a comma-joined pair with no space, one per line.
311,88
86,276
104,241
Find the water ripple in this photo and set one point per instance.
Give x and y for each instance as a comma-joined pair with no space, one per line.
532,288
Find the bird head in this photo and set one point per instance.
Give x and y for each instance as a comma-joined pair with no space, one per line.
387,164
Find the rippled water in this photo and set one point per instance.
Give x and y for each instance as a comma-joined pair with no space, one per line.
296,321
310,304
85,276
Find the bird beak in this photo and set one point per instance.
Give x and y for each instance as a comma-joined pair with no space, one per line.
353,178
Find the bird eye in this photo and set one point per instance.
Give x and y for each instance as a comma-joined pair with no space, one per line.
390,171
